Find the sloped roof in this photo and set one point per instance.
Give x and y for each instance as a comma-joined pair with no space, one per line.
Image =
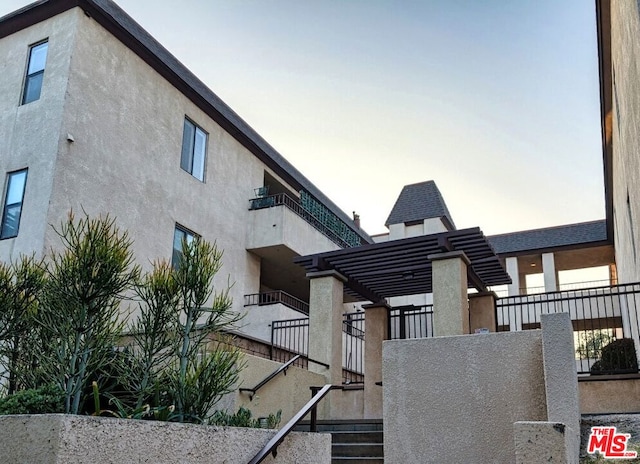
571,235
420,201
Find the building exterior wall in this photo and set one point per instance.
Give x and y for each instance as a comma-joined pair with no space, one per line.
126,122
30,134
625,56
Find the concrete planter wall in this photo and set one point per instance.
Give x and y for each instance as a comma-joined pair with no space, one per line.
59,438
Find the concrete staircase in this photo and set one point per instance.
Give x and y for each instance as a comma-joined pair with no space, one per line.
353,442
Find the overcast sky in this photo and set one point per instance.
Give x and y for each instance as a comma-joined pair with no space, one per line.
497,101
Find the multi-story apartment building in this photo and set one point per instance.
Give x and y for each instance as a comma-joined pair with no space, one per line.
96,116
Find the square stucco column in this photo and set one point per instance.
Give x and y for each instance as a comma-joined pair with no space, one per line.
377,330
513,288
450,303
482,311
325,323
560,377
550,274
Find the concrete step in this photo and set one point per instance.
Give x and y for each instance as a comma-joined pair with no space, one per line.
350,436
357,461
354,450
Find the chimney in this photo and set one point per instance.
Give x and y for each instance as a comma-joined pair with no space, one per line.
356,219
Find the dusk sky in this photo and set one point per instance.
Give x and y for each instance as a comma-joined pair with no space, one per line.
497,101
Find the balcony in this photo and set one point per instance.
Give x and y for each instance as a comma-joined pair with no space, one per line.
314,214
277,297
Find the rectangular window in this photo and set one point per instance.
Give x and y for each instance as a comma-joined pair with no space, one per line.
13,197
194,150
35,72
179,235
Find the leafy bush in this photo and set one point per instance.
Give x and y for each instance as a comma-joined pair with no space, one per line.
43,400
243,418
619,356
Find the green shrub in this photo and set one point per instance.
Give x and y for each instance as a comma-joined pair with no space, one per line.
619,356
243,418
42,400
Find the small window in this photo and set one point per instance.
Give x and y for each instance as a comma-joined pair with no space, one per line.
13,197
35,72
194,150
180,234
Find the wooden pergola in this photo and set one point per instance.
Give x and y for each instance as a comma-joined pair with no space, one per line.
404,267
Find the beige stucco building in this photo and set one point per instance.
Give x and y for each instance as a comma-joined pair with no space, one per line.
97,117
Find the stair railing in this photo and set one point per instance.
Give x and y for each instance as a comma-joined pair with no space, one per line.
274,374
272,445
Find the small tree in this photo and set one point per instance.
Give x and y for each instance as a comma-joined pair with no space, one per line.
80,303
200,377
20,285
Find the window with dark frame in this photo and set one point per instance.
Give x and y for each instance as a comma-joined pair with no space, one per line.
12,206
180,235
35,72
194,150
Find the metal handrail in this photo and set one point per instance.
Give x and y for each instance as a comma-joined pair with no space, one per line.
277,296
272,445
283,369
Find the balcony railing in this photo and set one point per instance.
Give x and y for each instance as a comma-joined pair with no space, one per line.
275,297
329,228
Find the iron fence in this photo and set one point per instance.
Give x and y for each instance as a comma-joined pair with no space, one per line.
605,323
411,322
275,297
290,337
353,347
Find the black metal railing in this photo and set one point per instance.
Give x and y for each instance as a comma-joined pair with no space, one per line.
272,445
290,337
275,297
270,377
353,347
282,199
605,323
411,322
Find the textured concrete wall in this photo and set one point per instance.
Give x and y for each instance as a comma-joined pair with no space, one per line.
610,396
288,393
455,399
625,55
543,442
30,134
60,439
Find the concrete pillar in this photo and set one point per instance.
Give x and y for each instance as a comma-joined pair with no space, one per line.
512,269
550,274
560,377
482,311
325,323
376,317
450,303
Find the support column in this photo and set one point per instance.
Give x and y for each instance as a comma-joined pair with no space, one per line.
325,324
376,319
550,274
482,311
512,270
450,303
